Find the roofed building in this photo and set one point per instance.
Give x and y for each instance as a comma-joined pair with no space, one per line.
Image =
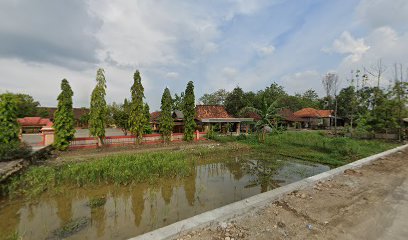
206,116
78,113
210,115
313,118
33,124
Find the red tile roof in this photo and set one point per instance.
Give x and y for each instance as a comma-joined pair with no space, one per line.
35,121
211,111
154,116
288,115
325,113
313,113
253,115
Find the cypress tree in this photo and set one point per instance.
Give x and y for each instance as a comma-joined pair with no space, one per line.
137,117
64,117
9,127
189,112
98,109
166,121
147,127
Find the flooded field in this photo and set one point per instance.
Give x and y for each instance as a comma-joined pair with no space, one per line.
120,212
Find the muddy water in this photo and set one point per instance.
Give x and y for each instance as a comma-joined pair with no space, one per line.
132,210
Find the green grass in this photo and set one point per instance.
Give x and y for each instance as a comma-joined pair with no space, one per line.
122,169
11,236
72,227
118,169
97,202
315,146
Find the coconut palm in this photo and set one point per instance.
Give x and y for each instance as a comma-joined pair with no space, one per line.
269,114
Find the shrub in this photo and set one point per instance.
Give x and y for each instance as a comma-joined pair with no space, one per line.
242,137
14,150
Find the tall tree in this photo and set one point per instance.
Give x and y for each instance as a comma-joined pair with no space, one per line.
27,106
64,117
330,84
178,101
147,126
120,115
235,101
9,128
166,120
216,98
97,112
137,117
189,112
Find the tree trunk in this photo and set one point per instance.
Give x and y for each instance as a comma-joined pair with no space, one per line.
100,142
263,134
335,118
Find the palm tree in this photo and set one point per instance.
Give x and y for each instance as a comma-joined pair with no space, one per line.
269,114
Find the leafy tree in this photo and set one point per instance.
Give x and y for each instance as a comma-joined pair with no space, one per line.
294,103
84,119
137,116
189,112
271,94
64,117
147,127
178,101
347,104
166,120
97,113
310,99
120,115
26,106
9,127
235,101
216,98
269,114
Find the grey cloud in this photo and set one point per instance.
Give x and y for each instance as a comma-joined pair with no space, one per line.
49,31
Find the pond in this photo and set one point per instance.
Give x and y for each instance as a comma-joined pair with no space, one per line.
121,212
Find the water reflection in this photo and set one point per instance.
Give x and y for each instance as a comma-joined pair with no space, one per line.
132,210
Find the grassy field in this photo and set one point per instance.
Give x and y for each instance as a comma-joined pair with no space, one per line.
314,146
128,168
120,169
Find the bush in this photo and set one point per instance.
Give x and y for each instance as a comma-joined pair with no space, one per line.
14,150
242,137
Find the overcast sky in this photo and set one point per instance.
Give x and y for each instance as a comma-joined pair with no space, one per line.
216,44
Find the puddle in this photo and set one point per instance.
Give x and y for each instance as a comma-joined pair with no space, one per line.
127,211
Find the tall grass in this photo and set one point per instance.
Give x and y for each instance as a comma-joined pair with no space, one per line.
318,147
117,169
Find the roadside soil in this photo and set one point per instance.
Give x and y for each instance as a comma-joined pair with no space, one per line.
366,203
81,155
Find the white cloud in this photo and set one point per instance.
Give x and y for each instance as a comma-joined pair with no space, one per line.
229,72
172,75
347,44
301,81
265,50
379,13
42,81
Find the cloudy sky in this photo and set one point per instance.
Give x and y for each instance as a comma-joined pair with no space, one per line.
215,43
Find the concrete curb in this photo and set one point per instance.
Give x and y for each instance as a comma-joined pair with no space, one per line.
238,208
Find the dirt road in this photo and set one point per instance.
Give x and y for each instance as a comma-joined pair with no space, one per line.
368,203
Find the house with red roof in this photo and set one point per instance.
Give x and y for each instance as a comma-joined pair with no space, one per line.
206,116
314,118
211,115
34,124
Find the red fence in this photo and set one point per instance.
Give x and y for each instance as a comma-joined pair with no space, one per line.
91,142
